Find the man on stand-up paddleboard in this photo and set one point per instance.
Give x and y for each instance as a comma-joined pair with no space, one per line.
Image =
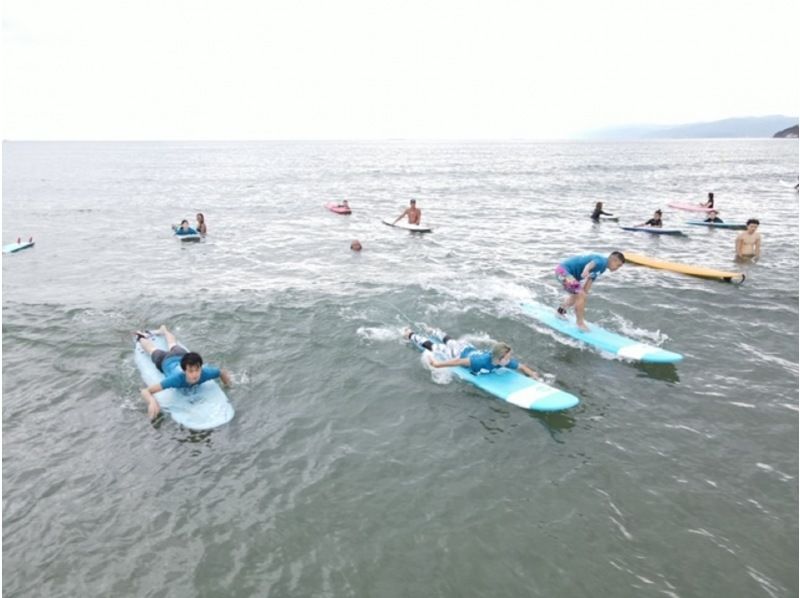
576,275
412,211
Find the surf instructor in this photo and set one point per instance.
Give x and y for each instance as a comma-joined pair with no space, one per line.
577,274
412,211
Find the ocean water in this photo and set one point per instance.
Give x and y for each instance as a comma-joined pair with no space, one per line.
348,469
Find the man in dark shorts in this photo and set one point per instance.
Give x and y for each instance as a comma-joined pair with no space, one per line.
181,368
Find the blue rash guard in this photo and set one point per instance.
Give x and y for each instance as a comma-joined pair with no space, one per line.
575,265
481,361
188,231
174,377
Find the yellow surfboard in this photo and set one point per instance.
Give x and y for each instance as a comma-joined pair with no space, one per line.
643,260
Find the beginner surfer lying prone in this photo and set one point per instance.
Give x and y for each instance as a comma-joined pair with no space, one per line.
464,354
576,275
181,368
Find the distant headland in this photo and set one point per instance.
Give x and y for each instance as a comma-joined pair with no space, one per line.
748,126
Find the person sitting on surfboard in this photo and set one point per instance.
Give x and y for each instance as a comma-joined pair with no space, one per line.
654,221
709,202
181,368
464,354
598,211
344,205
184,229
412,211
577,274
712,217
748,243
201,224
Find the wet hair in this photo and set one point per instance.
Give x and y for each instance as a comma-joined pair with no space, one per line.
710,196
191,359
617,254
200,217
184,222
659,211
599,204
753,221
413,201
355,245
499,351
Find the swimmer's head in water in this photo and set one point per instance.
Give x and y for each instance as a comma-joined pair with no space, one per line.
355,245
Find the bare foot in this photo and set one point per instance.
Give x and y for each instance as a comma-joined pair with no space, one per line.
162,329
561,313
583,326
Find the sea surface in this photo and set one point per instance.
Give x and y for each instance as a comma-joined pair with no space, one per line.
349,469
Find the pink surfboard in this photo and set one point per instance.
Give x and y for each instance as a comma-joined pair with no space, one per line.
691,208
335,207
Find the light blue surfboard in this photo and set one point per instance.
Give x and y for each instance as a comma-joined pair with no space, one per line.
653,230
733,226
599,338
510,386
14,247
201,407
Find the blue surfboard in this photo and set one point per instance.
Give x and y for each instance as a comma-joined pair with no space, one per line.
599,338
509,385
201,407
653,230
732,226
14,247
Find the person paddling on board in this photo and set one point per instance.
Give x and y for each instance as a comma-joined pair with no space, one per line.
712,217
748,243
598,211
184,229
181,368
344,205
412,211
654,221
201,224
709,203
577,274
462,353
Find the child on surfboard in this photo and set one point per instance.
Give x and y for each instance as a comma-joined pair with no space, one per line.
654,221
576,276
464,354
412,211
181,368
709,203
184,229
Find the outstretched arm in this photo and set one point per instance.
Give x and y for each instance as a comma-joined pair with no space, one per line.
153,407
225,376
449,363
400,216
529,372
588,269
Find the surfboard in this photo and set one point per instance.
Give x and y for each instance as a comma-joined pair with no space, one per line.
337,209
700,271
509,385
607,218
691,208
201,407
414,228
653,230
15,247
732,226
599,338
192,238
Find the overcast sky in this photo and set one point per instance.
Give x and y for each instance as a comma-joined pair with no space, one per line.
352,69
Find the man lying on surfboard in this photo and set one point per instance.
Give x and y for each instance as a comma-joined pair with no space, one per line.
577,274
464,354
181,368
412,211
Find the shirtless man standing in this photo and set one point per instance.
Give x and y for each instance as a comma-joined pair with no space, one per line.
748,243
412,211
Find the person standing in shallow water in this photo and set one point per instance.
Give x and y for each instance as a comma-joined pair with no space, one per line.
748,243
412,211
201,224
598,211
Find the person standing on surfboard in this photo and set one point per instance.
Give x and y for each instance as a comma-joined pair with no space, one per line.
654,221
464,354
598,211
181,368
412,211
577,274
748,243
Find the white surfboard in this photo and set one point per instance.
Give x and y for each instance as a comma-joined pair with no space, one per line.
414,228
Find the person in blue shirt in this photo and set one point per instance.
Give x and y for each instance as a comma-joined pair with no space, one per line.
182,369
184,229
464,354
576,276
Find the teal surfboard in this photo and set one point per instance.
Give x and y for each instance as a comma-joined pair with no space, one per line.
201,407
509,385
14,247
732,226
599,338
653,230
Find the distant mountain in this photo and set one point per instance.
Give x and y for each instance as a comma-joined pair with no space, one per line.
790,132
758,126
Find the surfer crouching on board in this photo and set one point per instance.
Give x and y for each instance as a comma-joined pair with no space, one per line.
412,211
464,354
576,275
181,368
